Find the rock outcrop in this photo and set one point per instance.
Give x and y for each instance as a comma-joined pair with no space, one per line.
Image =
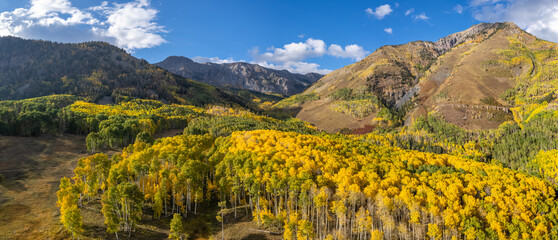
241,75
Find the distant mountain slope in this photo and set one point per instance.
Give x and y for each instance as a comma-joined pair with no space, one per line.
241,75
471,78
30,68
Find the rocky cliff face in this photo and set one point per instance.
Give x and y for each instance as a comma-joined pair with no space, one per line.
241,75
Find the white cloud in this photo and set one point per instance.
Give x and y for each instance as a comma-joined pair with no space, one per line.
421,16
539,17
296,67
301,35
129,25
291,56
458,8
103,6
352,51
132,25
380,12
44,13
408,12
294,52
214,60
475,3
388,30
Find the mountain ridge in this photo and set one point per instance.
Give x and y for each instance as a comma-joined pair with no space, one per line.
240,75
95,70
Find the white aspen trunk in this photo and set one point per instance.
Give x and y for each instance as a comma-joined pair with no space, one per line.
196,204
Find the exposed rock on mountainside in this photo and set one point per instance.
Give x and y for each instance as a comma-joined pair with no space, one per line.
452,40
241,75
471,78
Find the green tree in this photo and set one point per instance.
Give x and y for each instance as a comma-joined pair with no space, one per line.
176,228
157,205
70,215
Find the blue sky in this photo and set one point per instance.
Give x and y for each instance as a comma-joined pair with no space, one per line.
300,36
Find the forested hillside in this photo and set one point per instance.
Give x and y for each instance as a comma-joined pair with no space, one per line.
433,180
94,70
313,187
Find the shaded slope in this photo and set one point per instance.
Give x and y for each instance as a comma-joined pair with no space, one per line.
30,68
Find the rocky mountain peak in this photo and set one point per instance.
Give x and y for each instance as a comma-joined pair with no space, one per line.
455,39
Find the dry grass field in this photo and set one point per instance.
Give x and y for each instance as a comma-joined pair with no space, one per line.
32,168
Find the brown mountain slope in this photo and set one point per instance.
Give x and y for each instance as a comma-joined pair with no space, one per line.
462,77
465,84
388,73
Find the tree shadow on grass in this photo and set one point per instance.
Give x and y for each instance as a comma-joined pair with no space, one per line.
255,236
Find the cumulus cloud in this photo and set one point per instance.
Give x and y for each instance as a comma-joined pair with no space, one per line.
296,67
352,51
132,25
539,17
380,12
388,30
294,52
291,56
128,25
44,13
214,60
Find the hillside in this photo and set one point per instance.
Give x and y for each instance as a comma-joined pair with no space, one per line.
95,70
262,175
471,78
241,75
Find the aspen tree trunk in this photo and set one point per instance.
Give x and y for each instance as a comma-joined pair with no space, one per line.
251,205
258,211
196,204
166,213
245,203
235,205
173,205
318,222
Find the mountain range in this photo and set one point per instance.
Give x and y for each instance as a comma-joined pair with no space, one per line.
241,75
473,79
